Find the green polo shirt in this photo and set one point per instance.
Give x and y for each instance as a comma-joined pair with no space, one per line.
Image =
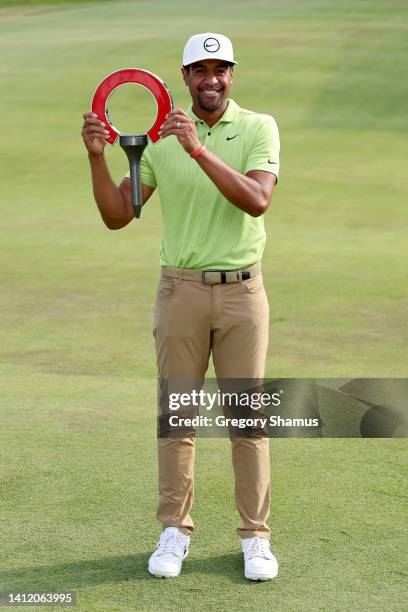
202,229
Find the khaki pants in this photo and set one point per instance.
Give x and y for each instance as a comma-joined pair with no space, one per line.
193,319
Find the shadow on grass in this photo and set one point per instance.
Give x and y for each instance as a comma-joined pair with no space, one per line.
70,576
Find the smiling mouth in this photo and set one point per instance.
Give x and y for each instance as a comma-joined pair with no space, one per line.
210,92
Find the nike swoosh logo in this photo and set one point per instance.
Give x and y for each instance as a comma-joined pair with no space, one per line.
271,162
232,137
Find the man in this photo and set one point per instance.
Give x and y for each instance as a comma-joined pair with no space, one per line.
215,168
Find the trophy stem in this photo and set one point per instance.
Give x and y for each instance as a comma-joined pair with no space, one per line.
134,147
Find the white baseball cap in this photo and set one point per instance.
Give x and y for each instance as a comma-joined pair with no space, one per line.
208,46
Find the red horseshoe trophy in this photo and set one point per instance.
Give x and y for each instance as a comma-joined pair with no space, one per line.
133,145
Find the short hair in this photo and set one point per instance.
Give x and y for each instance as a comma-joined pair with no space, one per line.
187,68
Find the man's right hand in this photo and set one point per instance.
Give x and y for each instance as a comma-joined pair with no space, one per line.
114,202
93,134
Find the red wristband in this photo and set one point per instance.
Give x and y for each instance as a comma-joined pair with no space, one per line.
198,152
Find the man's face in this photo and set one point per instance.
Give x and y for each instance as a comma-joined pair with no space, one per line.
209,82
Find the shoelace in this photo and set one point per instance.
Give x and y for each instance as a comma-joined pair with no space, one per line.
258,548
171,544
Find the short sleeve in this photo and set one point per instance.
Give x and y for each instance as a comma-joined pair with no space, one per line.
264,153
146,170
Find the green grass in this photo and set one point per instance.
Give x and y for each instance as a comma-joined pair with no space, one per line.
22,3
78,459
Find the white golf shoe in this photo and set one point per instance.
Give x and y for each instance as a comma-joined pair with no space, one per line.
260,562
168,557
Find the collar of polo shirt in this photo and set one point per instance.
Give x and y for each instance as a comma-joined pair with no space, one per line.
230,114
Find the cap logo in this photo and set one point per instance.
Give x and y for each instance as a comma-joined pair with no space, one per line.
211,45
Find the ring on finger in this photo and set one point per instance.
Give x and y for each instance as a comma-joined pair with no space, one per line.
178,124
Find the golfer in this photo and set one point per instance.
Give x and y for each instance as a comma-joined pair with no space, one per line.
215,168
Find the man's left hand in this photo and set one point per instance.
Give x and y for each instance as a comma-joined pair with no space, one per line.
181,125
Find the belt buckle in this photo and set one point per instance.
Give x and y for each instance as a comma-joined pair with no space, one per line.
203,273
209,282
